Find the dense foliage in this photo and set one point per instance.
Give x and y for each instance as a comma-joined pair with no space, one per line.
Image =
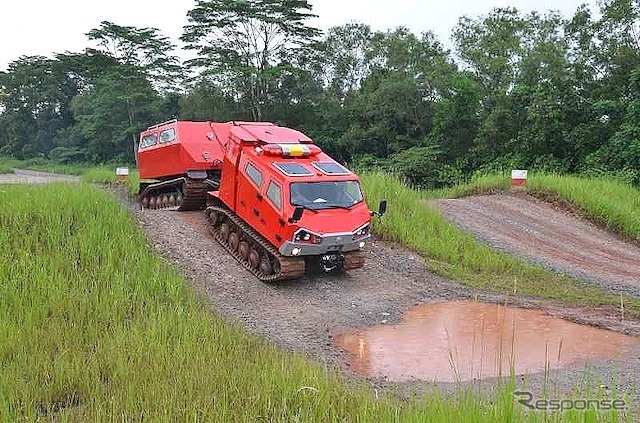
519,90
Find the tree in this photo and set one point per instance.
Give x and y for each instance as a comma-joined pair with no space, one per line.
113,111
205,101
143,65
241,44
144,50
35,104
344,58
455,120
400,77
491,48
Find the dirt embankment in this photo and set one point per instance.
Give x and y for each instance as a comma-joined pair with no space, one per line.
537,231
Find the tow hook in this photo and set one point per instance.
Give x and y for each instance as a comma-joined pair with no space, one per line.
331,262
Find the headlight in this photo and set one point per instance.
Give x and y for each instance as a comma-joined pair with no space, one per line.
305,236
363,231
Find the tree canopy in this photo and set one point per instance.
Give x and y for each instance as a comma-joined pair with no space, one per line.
244,44
534,90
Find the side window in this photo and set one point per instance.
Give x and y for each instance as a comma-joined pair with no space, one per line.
148,140
274,193
254,174
167,135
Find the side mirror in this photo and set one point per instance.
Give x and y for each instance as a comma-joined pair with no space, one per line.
297,214
382,208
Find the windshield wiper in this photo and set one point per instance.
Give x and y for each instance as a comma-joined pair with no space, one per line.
336,206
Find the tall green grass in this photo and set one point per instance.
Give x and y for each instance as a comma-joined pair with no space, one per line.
94,327
7,164
606,202
454,253
101,174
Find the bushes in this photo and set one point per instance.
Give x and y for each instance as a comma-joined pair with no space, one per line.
66,155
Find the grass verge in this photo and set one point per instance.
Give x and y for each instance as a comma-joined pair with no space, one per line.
454,253
101,174
7,164
606,202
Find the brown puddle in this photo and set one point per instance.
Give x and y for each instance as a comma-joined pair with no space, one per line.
464,340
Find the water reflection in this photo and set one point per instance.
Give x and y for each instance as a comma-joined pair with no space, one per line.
465,340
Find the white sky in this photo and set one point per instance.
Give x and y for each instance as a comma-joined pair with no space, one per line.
45,27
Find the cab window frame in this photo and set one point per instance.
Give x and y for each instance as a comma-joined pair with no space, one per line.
144,143
257,178
278,204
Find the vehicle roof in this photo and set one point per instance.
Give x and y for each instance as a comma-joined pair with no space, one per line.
316,175
267,133
241,132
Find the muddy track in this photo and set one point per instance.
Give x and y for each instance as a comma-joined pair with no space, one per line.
539,232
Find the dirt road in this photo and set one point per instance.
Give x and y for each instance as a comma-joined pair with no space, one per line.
537,231
20,176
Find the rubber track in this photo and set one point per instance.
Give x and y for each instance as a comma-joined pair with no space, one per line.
290,267
194,192
353,260
195,195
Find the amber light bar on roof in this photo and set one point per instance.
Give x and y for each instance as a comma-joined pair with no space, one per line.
289,150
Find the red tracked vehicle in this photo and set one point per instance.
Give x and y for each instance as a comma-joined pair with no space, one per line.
274,200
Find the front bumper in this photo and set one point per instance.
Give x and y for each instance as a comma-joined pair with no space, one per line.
330,243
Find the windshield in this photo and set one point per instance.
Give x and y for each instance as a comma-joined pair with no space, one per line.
325,195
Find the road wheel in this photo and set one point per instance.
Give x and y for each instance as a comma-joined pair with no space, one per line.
213,217
225,229
243,249
254,258
234,240
265,266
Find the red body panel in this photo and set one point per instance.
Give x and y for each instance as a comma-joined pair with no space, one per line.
189,150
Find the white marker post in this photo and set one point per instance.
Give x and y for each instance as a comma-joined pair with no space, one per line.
518,179
122,173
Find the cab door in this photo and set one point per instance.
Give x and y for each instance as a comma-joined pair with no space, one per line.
249,198
273,220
